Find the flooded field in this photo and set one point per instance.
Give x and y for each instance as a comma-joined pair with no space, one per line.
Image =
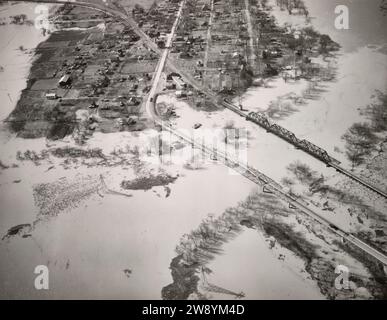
107,227
16,53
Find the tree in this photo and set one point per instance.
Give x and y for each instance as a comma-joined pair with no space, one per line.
377,113
325,40
360,142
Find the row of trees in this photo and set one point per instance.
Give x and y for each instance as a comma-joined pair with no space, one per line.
361,139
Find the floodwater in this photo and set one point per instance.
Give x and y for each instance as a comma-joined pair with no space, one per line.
361,67
249,265
16,63
367,23
88,247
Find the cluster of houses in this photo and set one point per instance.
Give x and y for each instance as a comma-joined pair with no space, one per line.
116,46
188,46
157,21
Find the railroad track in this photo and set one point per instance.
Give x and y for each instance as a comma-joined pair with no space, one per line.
271,186
359,180
328,160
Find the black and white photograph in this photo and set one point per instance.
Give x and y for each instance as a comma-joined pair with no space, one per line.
211,150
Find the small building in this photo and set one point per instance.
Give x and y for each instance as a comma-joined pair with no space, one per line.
65,80
180,94
170,85
161,42
180,84
173,74
133,101
225,82
51,96
132,120
133,87
93,105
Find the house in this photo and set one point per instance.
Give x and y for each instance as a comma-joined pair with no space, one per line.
133,87
180,94
51,96
65,80
131,120
225,82
133,101
161,43
171,75
170,85
180,84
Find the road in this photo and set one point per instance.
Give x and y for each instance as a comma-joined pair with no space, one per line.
252,56
208,43
252,174
161,64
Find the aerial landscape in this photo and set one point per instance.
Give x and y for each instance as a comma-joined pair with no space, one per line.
193,149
